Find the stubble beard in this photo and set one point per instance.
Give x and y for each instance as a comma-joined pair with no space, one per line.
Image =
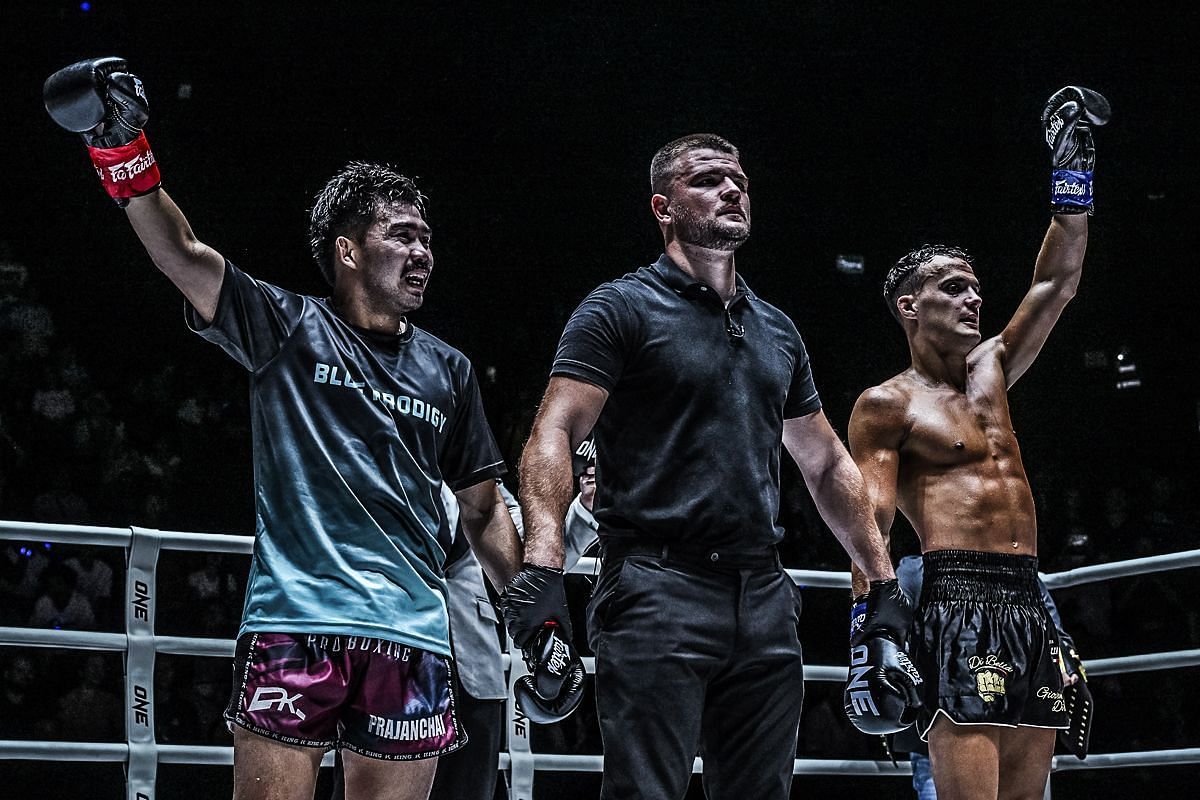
390,298
709,232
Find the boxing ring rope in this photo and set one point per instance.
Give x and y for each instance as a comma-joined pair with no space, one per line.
140,644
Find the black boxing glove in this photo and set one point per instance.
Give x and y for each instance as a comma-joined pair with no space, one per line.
532,598
1067,119
882,694
105,103
882,611
555,686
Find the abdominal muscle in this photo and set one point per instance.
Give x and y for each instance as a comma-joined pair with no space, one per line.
982,504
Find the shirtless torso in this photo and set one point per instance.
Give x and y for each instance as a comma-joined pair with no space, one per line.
960,480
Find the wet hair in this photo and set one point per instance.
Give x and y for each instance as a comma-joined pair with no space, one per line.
348,203
907,273
662,166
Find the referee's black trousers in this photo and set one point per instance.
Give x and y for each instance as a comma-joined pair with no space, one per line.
693,660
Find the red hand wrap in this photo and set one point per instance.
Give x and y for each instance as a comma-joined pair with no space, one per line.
128,170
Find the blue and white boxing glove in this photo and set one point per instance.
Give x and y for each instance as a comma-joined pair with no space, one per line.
1067,119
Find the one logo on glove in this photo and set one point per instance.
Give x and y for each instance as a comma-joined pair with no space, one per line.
991,676
859,690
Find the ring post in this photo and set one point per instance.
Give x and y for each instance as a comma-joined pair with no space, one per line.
139,664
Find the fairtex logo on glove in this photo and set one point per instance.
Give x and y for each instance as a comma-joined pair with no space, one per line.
126,171
1071,188
560,657
1052,128
907,665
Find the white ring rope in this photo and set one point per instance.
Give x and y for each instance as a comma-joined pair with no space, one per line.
140,644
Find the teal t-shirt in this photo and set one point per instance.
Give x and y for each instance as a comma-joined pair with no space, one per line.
353,434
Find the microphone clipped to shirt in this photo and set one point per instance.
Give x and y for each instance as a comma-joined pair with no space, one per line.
732,328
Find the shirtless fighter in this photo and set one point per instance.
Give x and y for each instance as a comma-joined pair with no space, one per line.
937,442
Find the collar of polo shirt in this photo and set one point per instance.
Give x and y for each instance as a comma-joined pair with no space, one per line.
684,284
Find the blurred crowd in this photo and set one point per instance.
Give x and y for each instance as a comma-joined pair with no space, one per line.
171,451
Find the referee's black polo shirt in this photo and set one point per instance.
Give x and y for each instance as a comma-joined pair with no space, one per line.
688,443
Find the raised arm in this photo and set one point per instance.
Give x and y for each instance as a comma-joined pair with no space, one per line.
1068,118
105,103
1055,279
837,487
196,269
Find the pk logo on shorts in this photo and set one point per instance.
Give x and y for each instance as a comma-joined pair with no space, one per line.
267,696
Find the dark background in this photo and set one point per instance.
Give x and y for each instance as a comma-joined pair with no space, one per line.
865,129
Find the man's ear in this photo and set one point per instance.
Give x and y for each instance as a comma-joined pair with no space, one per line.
660,205
907,305
345,252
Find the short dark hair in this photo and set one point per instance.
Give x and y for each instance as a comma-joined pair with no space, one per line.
906,275
662,166
347,205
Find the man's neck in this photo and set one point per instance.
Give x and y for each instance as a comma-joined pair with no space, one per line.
358,315
936,367
713,267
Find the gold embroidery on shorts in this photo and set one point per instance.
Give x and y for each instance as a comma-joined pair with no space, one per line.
991,675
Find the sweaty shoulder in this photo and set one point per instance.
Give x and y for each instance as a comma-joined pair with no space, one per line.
890,397
883,410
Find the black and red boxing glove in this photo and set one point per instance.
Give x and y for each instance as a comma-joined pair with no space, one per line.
105,103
